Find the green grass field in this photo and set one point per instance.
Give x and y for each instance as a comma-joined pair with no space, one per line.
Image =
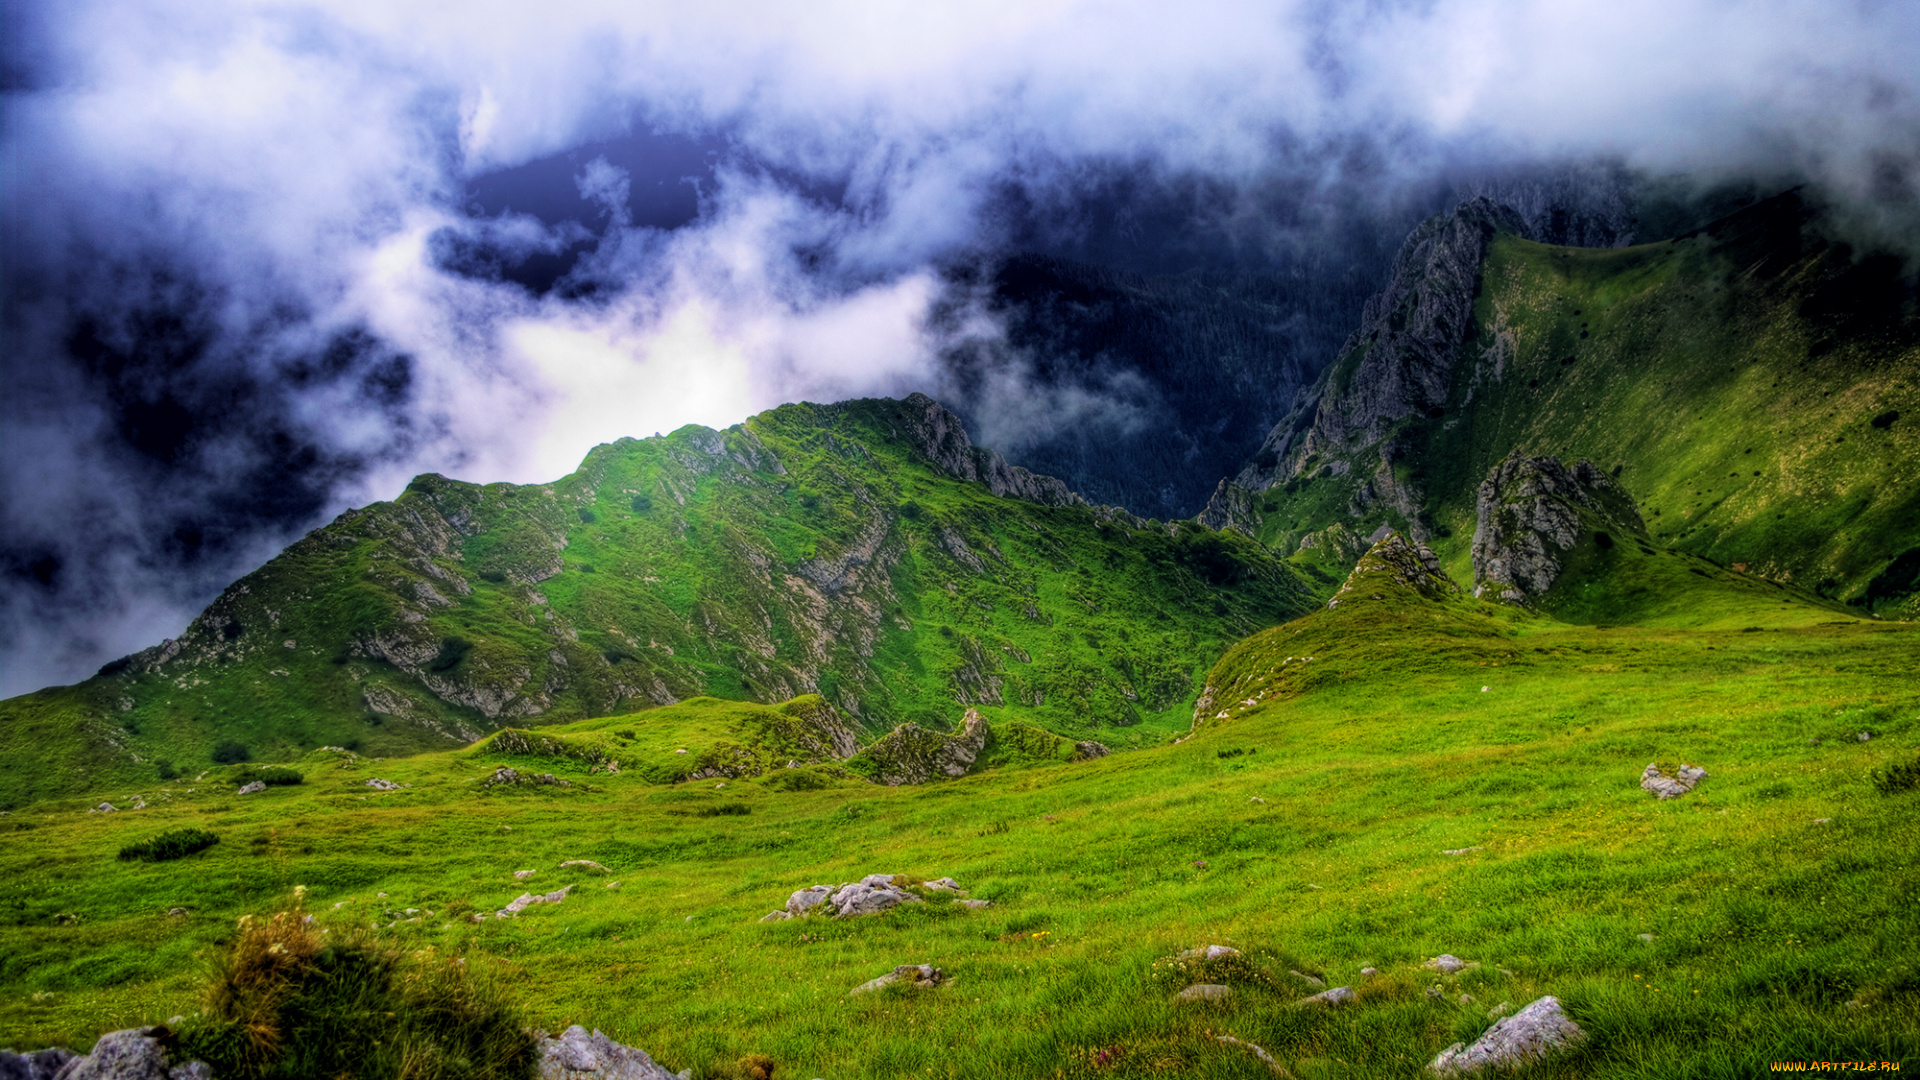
1772,914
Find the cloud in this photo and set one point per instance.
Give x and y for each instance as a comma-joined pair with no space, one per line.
243,289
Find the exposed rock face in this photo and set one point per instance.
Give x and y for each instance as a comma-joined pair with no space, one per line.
1530,512
938,434
870,896
1337,540
1231,507
1396,563
38,1065
910,754
1401,359
1534,1032
577,1055
1671,787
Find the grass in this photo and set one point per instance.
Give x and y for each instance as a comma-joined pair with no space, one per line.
1769,915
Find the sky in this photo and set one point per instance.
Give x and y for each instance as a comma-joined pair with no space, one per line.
263,261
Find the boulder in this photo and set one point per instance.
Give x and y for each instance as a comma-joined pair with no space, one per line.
1447,964
807,899
256,786
860,898
925,976
577,1055
1671,787
1204,992
133,1054
1208,952
38,1065
1339,995
1534,1032
503,775
974,904
526,900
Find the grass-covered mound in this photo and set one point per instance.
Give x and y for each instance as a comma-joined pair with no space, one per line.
1443,776
288,1001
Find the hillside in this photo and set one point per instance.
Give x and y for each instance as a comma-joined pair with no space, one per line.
1754,385
1409,772
865,551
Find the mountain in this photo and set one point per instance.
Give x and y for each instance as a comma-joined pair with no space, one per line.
1754,385
865,551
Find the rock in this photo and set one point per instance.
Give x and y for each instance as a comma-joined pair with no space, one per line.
503,775
104,808
1533,1033
526,900
1265,1058
1530,512
522,875
176,911
256,786
1461,850
1447,964
1208,952
861,898
910,754
1671,787
134,1054
1646,937
584,864
807,899
1339,995
1369,972
974,904
1466,999
1865,737
945,884
1306,978
776,916
1089,750
925,976
576,1055
1204,992
378,784
38,1065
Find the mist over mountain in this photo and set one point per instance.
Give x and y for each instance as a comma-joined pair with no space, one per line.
265,263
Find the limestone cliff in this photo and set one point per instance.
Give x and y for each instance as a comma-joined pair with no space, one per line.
1530,512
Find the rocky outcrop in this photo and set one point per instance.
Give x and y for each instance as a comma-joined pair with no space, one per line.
1535,1032
937,433
1400,362
910,754
1336,540
1392,564
1232,507
1671,787
924,976
1530,511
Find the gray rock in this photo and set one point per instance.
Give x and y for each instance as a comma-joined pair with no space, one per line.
1531,511
777,916
945,884
1447,964
1265,1058
924,976
974,904
1306,978
1090,750
1208,952
861,898
807,899
37,1065
522,875
584,864
1369,972
526,900
1204,992
1339,995
576,1055
378,784
105,808
133,1054
1531,1034
253,788
1671,787
503,775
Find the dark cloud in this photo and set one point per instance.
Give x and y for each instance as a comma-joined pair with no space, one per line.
264,262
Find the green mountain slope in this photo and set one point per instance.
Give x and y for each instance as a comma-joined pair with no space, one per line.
865,551
1753,385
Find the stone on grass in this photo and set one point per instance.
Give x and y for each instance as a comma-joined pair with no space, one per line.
1265,1058
1204,992
522,875
503,775
776,916
974,904
134,1054
576,1055
1209,952
378,784
1339,995
1447,964
861,898
1460,850
1306,978
105,808
924,976
38,1065
1533,1033
1369,972
807,899
584,864
526,900
256,786
1671,787
945,884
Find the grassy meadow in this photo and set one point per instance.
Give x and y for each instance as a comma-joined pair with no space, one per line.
1771,915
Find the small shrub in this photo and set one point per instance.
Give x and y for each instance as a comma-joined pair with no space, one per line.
1896,778
172,844
286,1002
166,769
230,752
